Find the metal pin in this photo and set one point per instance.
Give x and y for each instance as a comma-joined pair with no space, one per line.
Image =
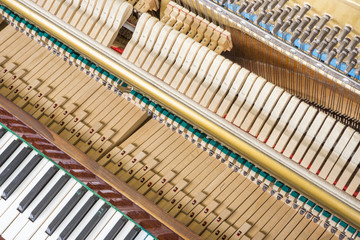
282,3
285,13
293,12
267,17
276,28
333,33
350,66
323,21
303,23
322,35
330,56
257,5
313,34
343,44
272,4
285,26
276,15
265,5
259,18
341,57
355,41
346,30
242,7
295,24
249,7
351,56
295,36
304,10
312,23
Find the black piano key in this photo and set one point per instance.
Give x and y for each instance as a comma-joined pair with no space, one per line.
116,229
133,233
2,132
65,211
93,222
49,197
9,151
78,217
14,164
37,189
20,177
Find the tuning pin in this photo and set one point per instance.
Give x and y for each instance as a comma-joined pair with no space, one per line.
295,36
352,56
265,5
284,14
304,10
331,45
304,23
350,66
257,5
322,35
346,30
242,7
276,27
341,57
330,56
267,17
272,4
285,26
355,41
357,71
276,15
295,24
335,30
323,21
259,18
343,44
293,12
282,3
249,7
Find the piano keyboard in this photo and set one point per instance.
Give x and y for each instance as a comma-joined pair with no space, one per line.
39,200
164,179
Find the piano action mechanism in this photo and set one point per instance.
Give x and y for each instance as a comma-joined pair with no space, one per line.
220,119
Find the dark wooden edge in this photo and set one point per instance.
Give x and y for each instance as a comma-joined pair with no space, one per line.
159,223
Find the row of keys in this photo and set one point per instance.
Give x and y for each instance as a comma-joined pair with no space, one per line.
41,201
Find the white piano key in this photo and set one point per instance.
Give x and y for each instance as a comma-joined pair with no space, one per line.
310,135
215,84
283,121
316,144
224,87
241,98
201,74
6,140
5,204
292,125
142,235
11,212
343,159
234,89
18,169
258,105
86,219
70,216
12,156
125,230
300,131
41,231
208,79
194,69
337,151
116,217
31,227
266,111
249,101
328,145
21,219
348,172
103,222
